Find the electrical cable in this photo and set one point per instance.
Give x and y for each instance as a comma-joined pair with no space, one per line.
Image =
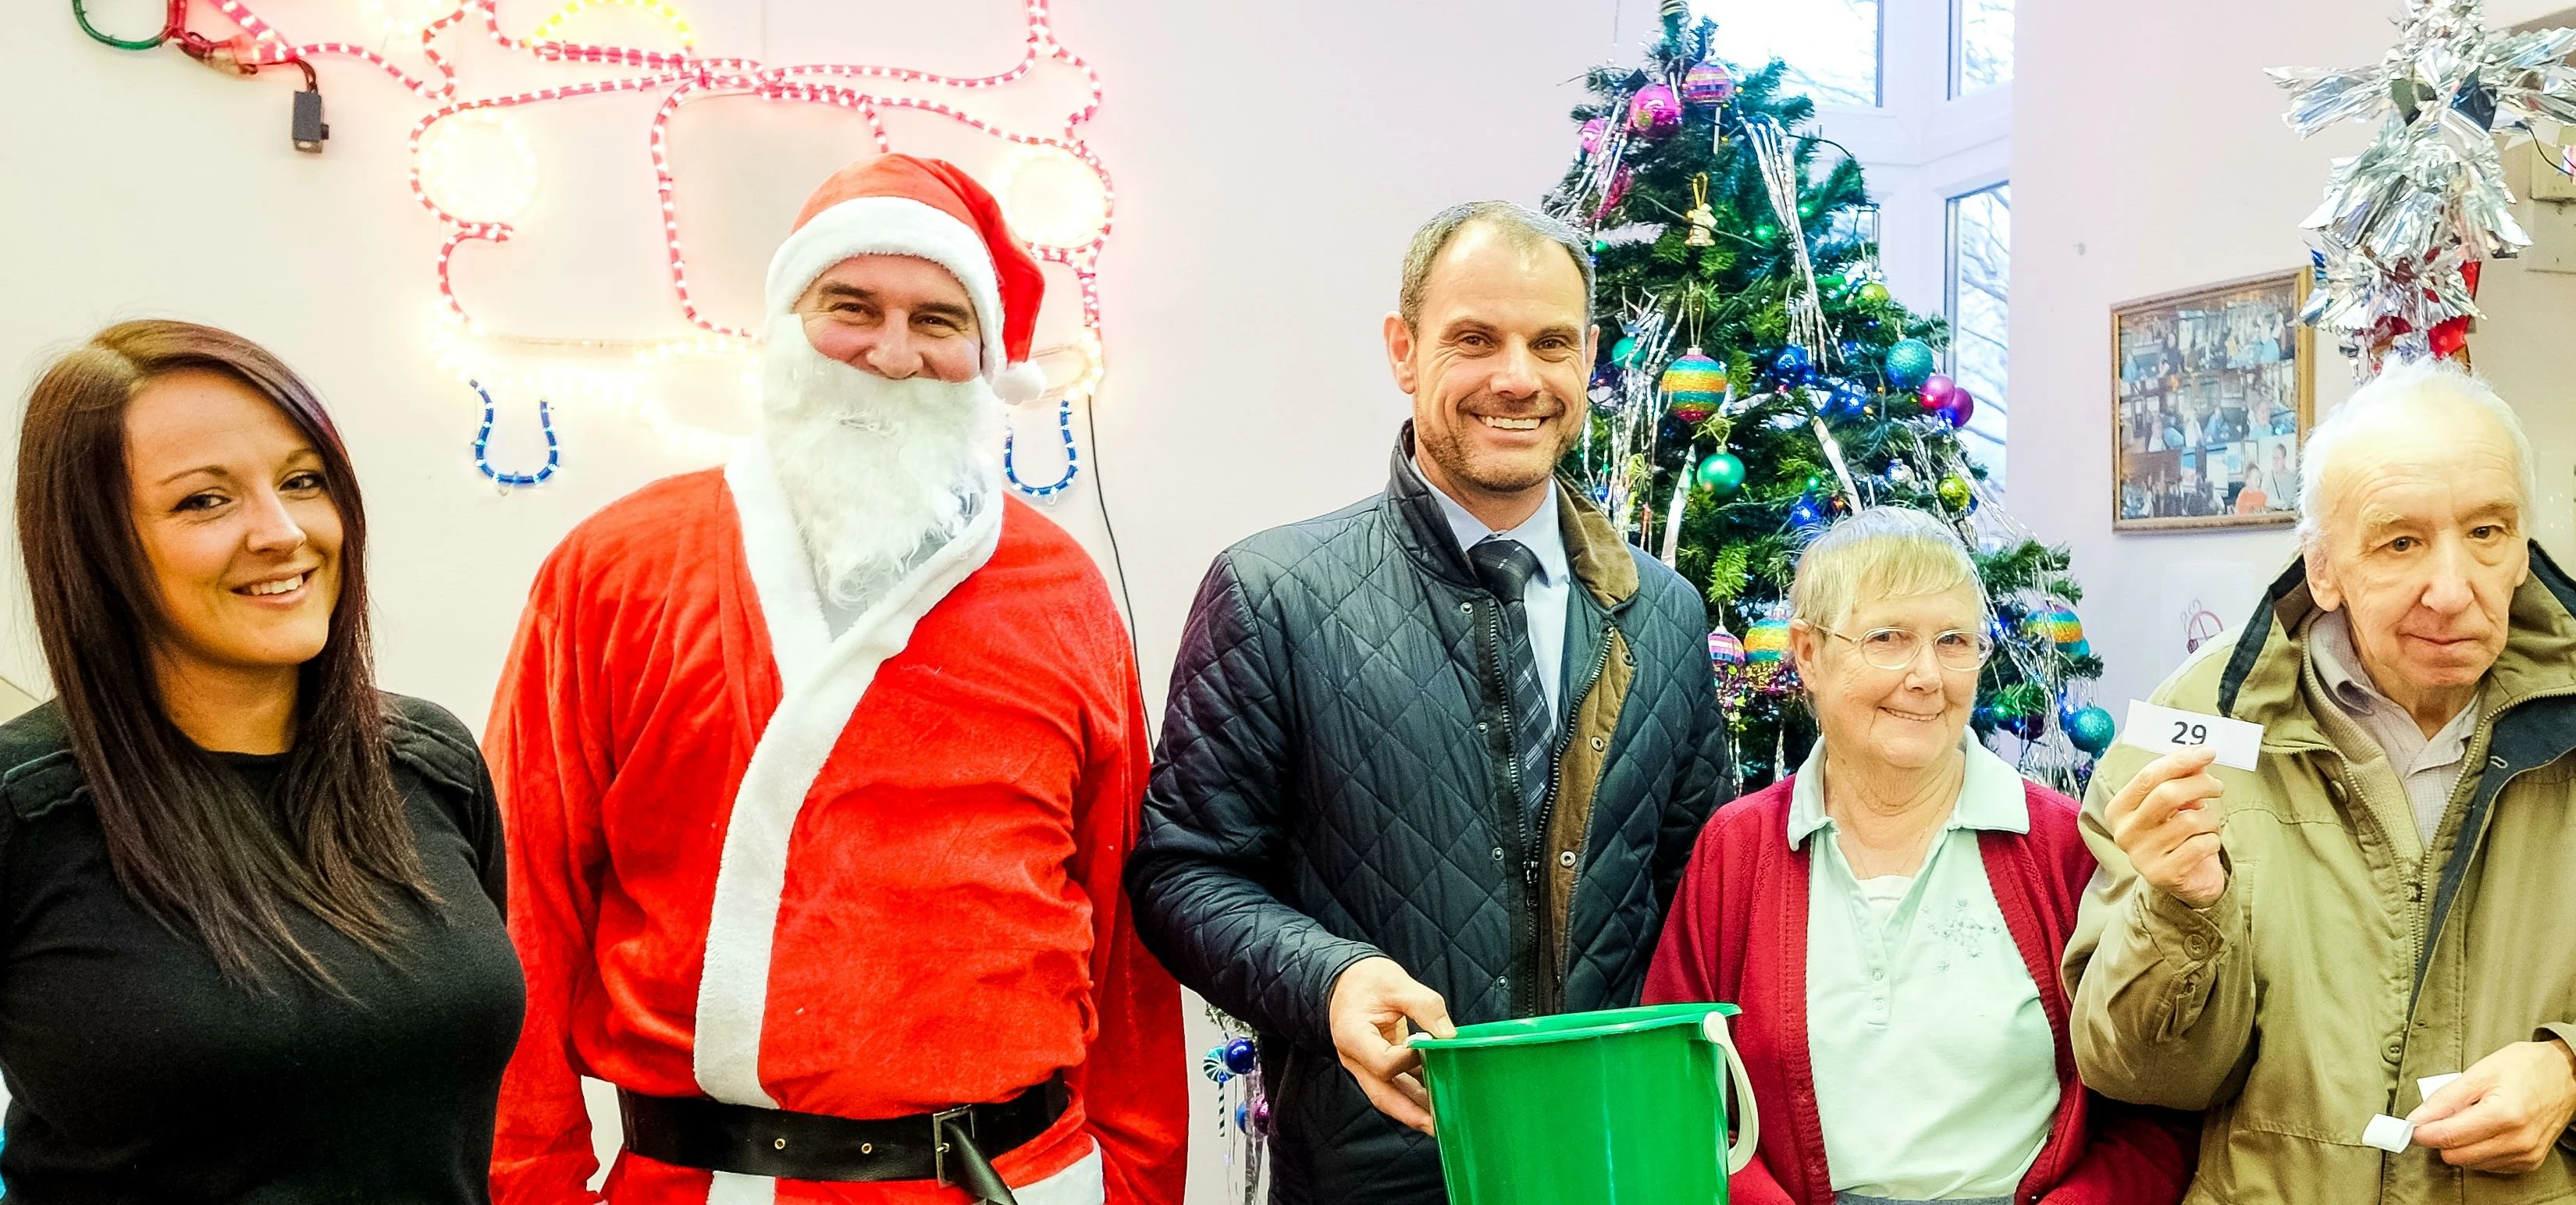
176,16
1100,498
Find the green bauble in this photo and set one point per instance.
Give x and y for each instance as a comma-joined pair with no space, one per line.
1874,293
1953,492
1721,474
1624,352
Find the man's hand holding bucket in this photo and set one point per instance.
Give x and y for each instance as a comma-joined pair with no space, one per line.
1372,1000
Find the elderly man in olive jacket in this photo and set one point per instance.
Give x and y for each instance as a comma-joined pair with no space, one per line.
1441,754
2386,898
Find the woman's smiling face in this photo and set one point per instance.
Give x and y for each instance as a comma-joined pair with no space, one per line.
234,515
1904,718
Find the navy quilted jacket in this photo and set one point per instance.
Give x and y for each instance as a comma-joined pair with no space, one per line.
1334,782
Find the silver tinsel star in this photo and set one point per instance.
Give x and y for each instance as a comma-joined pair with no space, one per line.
2428,196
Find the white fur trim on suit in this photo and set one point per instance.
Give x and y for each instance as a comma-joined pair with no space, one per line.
1084,1183
730,1189
822,681
892,226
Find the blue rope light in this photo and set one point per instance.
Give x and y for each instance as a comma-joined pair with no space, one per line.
1072,456
545,423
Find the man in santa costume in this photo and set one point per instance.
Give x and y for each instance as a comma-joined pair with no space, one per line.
820,772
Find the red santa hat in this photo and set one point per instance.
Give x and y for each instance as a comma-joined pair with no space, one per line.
928,208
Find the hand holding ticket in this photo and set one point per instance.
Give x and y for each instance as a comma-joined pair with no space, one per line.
2165,730
2162,819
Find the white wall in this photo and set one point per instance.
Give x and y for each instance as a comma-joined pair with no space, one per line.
2151,156
1270,160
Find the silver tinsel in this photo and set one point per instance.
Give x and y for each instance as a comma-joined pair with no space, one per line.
1770,145
2402,218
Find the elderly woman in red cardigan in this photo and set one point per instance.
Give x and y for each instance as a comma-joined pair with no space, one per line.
1890,918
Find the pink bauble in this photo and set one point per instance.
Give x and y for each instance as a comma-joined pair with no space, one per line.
1957,408
1655,111
1618,190
1592,132
1937,390
1708,83
1724,650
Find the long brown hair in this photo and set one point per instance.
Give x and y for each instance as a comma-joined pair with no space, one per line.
188,840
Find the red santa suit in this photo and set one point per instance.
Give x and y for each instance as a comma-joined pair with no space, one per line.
869,875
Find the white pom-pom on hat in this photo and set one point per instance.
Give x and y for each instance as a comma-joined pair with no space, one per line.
1019,384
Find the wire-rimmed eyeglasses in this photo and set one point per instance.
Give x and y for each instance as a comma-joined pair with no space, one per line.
1896,648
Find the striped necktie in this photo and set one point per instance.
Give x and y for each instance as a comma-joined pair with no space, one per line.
1506,566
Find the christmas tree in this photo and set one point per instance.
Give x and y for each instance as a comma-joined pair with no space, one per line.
1763,381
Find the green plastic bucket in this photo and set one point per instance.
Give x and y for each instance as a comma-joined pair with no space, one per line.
1625,1107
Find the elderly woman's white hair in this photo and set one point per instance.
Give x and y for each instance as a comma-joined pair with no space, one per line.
1882,552
2400,391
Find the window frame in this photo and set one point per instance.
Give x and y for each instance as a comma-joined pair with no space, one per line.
1877,52
1957,22
1953,207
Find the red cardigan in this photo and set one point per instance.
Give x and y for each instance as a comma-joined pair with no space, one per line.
1738,933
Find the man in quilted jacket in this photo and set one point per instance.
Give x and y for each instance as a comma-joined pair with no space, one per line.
1437,757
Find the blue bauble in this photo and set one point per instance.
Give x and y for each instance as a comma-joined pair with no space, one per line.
1909,364
1241,1056
1805,512
1792,363
1243,1117
2091,729
1849,401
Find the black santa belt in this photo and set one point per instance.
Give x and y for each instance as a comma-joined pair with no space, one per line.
947,1146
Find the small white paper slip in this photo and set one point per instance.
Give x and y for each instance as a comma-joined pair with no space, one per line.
2165,729
2434,1083
2390,1134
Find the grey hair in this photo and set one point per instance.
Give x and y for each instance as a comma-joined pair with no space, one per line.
1526,227
2399,389
1882,552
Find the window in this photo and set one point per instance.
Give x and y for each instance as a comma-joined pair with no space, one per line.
1831,46
1979,311
1981,45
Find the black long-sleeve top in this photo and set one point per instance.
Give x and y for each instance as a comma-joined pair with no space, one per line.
137,1072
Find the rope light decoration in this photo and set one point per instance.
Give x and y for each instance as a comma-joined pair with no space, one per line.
480,207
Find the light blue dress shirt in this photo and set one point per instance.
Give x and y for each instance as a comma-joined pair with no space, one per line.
1549,591
1935,1068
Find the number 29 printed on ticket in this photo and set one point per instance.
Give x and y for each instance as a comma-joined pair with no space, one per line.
2165,729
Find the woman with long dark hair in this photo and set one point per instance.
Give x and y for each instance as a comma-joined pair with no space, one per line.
251,937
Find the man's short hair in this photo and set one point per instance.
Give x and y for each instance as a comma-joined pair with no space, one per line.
2401,388
1526,228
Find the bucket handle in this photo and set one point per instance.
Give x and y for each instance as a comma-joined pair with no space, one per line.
1748,1128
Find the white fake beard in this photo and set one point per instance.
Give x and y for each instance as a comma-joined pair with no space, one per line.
876,471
